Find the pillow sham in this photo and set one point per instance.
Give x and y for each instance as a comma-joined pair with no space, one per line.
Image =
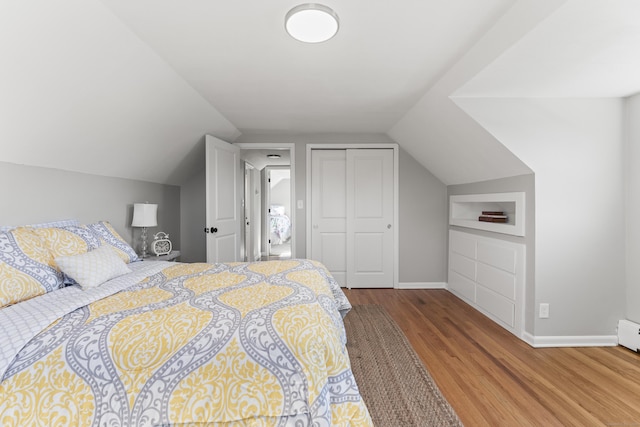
68,240
110,236
93,268
61,223
26,267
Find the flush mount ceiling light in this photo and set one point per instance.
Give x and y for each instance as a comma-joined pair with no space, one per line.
311,23
273,156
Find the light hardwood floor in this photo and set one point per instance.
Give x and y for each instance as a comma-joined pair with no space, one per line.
491,378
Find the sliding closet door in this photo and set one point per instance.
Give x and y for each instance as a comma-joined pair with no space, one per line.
352,215
329,211
370,218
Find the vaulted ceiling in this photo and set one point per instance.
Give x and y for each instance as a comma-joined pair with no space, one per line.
128,88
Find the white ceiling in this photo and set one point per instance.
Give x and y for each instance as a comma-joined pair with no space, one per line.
238,55
129,88
259,160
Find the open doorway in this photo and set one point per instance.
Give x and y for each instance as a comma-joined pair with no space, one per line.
278,197
268,233
252,218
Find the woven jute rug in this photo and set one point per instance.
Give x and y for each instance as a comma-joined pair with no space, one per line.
393,382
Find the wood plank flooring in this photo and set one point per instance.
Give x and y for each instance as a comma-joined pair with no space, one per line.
491,378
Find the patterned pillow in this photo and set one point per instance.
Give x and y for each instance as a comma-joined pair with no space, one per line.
61,223
93,268
108,235
26,267
68,241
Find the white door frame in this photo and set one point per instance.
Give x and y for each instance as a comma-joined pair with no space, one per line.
267,213
247,233
292,154
396,198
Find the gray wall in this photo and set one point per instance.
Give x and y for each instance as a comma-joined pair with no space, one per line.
193,209
525,183
30,195
423,206
575,148
632,167
423,209
423,223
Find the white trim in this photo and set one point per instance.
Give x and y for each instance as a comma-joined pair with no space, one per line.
396,214
292,164
422,285
396,195
570,341
308,203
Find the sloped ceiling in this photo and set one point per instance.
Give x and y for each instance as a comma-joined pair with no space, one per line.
441,136
79,91
128,88
238,55
585,49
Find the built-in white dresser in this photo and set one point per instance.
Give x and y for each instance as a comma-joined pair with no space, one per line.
489,274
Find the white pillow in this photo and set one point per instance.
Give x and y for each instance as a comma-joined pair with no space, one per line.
93,268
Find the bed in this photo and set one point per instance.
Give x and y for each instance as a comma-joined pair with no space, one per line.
235,344
280,225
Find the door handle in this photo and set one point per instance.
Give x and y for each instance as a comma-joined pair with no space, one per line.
214,229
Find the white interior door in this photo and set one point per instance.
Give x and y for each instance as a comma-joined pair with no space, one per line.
223,201
329,211
370,218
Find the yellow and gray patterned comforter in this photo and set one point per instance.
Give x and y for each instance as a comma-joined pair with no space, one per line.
257,344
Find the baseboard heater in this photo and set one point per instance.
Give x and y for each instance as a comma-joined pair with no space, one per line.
629,334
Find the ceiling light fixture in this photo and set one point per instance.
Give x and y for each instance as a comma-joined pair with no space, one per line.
273,156
311,23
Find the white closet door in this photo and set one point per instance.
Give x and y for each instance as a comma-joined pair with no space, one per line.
370,221
329,211
352,215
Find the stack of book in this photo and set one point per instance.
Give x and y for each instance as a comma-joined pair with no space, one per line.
493,216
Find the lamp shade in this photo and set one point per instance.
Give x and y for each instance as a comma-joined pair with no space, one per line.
145,215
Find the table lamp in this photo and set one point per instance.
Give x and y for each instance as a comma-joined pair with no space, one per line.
144,215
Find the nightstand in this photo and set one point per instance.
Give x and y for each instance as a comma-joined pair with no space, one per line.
168,257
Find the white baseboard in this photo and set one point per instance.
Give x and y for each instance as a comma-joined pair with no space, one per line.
570,341
422,285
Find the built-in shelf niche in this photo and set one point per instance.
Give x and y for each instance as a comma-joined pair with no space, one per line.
464,211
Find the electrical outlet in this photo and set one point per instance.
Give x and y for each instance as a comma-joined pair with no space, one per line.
544,311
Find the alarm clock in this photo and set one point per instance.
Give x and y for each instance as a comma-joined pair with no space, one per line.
161,244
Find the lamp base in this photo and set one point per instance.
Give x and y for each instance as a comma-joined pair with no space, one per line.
144,242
